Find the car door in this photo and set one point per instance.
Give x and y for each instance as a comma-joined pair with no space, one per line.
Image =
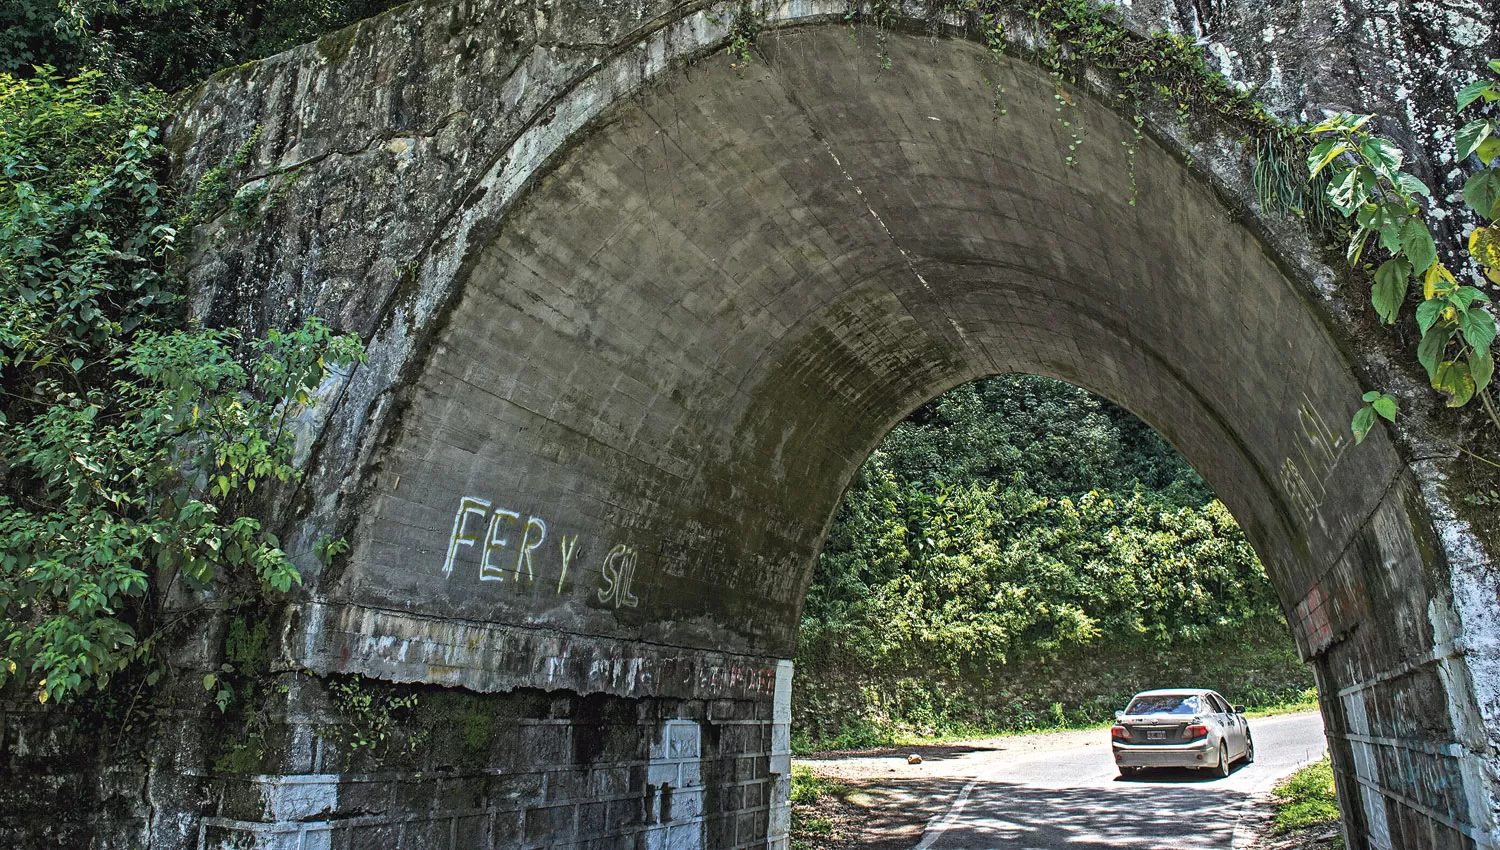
1232,724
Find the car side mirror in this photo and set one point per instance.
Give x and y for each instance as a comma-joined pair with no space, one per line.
1239,709
1119,714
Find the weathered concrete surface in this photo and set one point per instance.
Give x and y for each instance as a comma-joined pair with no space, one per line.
635,320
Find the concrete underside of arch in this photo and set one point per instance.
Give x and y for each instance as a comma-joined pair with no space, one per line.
614,405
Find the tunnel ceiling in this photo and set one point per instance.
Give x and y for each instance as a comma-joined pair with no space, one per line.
664,367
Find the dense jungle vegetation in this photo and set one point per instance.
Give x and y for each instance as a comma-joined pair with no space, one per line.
132,441
1021,554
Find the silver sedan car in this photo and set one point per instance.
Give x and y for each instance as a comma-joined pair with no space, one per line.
1180,727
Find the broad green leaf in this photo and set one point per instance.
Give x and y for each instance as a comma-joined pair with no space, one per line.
1385,406
1428,312
1363,421
1470,93
1488,150
1410,185
1481,368
1453,378
1417,244
1322,154
1478,328
1482,190
1430,349
1385,220
1382,153
1493,65
1389,290
1470,135
1370,396
1465,294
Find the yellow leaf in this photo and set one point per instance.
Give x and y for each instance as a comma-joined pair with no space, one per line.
1437,275
1484,246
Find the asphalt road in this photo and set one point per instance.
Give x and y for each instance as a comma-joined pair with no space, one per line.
1072,798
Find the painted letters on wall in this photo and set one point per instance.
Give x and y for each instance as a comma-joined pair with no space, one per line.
512,549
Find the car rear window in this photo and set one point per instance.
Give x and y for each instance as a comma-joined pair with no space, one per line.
1165,704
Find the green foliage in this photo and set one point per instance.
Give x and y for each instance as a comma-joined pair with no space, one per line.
1015,521
1306,799
808,787
131,444
378,717
918,571
1366,184
744,29
809,829
166,43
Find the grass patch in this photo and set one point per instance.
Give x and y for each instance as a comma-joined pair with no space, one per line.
1306,800
1306,701
813,799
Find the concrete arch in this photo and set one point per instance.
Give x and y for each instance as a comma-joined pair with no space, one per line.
610,417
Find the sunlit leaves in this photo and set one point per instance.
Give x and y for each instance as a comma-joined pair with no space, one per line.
1323,153
1382,154
966,568
1367,185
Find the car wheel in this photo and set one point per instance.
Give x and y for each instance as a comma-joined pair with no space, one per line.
1249,750
1223,760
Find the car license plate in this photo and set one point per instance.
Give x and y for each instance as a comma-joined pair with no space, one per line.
1155,735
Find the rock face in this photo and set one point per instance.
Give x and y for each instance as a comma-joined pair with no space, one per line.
636,316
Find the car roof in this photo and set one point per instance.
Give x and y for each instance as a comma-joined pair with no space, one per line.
1174,692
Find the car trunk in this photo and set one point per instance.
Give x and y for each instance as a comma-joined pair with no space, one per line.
1157,729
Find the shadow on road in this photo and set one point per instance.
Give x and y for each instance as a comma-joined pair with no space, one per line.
883,814
1152,815
1177,775
928,752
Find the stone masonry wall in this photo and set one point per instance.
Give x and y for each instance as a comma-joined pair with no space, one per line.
455,770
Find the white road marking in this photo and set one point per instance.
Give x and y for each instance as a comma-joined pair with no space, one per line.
935,829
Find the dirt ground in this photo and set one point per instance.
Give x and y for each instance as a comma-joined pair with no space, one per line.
937,759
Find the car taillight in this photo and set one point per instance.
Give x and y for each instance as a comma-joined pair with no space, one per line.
1119,733
1197,730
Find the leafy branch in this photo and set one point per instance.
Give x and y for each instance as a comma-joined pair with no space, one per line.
1366,183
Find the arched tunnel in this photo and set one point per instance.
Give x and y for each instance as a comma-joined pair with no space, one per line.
614,403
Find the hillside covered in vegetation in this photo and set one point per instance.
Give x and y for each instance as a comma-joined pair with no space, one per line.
1020,554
